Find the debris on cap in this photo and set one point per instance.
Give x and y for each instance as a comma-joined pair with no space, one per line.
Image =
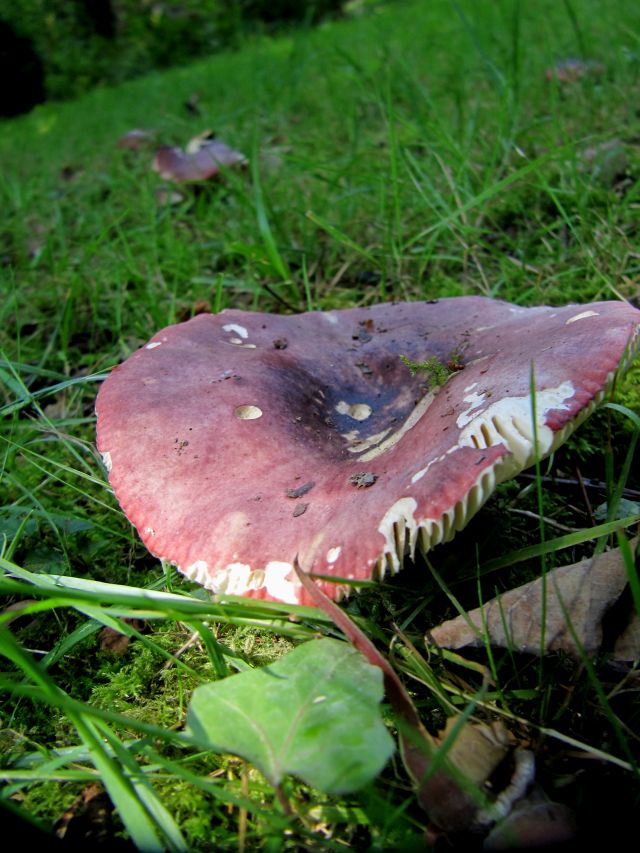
215,439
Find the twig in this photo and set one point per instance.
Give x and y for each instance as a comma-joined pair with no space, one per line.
550,522
587,483
586,498
193,639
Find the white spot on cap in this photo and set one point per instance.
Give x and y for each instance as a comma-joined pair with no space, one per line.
149,531
333,554
357,411
106,461
581,316
470,387
359,445
330,318
239,330
474,401
420,474
153,345
395,437
248,413
277,582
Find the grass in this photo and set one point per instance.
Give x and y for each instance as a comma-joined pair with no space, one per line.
415,152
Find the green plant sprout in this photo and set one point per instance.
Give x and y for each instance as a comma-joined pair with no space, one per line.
437,371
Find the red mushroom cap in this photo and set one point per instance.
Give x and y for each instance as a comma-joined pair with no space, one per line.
198,163
236,442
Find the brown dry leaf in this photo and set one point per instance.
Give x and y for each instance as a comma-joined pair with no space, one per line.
16,608
478,748
584,591
627,647
115,641
57,409
137,139
478,751
87,818
572,70
607,161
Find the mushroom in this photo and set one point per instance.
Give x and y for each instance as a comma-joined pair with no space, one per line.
203,159
239,441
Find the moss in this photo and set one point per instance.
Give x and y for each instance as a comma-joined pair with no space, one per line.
628,391
437,372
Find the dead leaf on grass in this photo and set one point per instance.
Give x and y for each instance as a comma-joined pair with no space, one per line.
87,818
571,70
137,139
16,609
627,646
582,591
115,641
606,162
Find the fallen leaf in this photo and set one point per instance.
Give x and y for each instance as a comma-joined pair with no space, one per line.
571,70
137,139
582,591
624,507
477,748
88,818
117,642
606,162
16,609
627,646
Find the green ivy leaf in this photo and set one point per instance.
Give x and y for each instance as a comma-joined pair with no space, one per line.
314,714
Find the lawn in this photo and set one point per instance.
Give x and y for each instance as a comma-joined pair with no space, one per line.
413,152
